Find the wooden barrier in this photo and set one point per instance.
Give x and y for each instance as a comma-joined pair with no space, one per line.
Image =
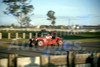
45,60
98,55
28,62
58,60
81,58
12,60
83,65
3,62
75,60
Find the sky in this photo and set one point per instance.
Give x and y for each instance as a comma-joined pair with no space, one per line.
81,12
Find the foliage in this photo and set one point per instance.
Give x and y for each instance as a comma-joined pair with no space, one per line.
51,16
20,9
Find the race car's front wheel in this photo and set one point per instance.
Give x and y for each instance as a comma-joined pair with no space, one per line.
60,42
40,43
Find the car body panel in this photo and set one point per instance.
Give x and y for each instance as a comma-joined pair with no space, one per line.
48,41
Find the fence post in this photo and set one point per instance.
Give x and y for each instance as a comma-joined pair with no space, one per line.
44,61
71,59
74,33
41,35
65,33
16,35
71,33
9,37
56,34
0,35
68,33
60,33
40,61
23,35
36,35
67,59
51,33
12,60
48,61
30,35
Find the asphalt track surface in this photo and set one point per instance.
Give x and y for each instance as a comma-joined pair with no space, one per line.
25,51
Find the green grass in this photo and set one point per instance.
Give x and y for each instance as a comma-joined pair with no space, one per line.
11,40
89,40
84,40
83,37
4,46
5,42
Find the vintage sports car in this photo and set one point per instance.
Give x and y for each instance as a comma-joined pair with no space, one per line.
46,40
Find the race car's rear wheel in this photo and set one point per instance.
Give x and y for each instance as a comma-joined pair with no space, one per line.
60,42
40,43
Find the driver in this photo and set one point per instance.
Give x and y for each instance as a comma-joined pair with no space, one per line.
48,36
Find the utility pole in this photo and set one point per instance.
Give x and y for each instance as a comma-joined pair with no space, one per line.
69,20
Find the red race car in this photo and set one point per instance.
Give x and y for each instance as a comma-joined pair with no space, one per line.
46,40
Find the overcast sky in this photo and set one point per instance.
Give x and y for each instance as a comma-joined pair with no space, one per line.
81,12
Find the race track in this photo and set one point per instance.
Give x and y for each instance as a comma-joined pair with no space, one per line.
25,51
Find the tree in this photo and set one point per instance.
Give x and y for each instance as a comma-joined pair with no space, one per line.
20,9
53,22
51,16
12,25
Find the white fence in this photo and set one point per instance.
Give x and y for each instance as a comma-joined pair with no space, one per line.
65,31
28,62
9,35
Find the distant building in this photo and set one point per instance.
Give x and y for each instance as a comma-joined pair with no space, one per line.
37,26
90,27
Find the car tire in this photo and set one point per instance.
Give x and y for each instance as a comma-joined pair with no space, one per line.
40,43
60,42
